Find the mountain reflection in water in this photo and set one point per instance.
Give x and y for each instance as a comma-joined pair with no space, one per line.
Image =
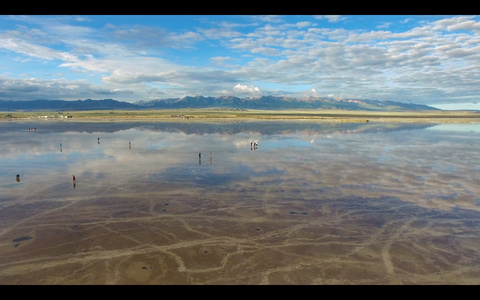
363,181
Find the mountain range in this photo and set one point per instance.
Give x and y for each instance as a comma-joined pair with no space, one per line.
224,102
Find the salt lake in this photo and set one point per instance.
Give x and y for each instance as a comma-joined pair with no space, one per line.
239,202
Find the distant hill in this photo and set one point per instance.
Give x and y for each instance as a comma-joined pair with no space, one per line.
227,102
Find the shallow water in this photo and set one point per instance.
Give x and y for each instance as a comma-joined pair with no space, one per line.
313,203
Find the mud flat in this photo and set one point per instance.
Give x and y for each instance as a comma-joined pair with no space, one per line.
165,236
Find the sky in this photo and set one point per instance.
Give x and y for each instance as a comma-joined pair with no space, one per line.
422,59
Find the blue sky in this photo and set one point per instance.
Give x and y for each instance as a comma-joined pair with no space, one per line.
432,59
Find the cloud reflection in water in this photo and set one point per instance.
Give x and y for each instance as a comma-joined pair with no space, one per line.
295,160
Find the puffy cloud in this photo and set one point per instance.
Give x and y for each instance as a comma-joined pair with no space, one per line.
246,89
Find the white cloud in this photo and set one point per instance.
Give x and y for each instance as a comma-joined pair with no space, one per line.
303,24
434,61
29,49
332,18
246,89
384,25
221,61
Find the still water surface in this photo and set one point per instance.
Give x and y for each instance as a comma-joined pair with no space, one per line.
273,202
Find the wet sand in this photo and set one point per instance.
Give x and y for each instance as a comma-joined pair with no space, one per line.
169,235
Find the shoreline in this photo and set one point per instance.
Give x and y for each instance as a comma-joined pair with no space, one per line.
211,115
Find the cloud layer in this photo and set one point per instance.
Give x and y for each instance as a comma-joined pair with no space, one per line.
429,60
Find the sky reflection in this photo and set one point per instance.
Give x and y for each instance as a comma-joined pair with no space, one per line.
431,166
